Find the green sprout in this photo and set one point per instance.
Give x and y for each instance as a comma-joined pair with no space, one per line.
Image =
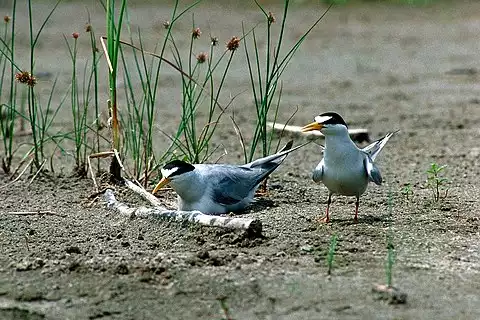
331,253
407,190
226,310
436,181
390,247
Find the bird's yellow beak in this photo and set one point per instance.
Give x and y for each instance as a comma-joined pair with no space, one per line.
160,185
312,126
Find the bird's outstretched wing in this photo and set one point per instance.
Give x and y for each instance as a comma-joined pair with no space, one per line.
372,171
276,158
375,147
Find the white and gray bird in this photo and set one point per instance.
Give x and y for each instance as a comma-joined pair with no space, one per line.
219,188
345,169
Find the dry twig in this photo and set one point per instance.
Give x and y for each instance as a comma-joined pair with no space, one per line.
18,177
38,212
38,172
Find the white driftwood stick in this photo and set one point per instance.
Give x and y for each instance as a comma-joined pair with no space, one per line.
252,226
363,133
144,194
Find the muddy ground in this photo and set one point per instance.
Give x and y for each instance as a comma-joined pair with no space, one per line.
382,67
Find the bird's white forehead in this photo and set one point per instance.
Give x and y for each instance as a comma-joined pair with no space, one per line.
167,172
322,119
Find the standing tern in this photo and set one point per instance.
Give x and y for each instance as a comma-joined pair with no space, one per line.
345,169
219,188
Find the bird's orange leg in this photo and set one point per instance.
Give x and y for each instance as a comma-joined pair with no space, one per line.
262,191
326,219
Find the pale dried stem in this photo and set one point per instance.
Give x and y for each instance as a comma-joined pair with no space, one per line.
252,226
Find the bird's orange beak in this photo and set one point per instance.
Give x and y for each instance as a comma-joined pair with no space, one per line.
164,181
312,126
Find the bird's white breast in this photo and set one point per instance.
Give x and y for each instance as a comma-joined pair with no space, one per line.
344,172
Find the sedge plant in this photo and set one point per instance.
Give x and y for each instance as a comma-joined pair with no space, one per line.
37,117
93,81
139,118
200,87
79,111
7,105
265,71
34,110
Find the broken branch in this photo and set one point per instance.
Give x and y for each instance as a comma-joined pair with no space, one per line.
359,135
252,226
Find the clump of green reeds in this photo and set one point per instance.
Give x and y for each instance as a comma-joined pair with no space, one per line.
199,88
139,118
265,74
39,117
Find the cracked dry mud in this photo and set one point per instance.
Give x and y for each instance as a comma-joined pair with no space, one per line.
382,67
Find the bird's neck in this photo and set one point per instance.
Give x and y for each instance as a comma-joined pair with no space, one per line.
190,187
338,145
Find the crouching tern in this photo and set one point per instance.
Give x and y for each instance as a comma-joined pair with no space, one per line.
345,169
219,188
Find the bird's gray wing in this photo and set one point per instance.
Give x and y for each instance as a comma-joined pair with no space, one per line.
375,147
318,172
372,170
231,184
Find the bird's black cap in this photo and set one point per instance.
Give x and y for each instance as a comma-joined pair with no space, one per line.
177,167
331,118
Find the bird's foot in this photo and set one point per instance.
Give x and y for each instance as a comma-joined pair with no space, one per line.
355,220
321,219
261,193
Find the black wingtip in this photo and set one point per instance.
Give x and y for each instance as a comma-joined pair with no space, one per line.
289,145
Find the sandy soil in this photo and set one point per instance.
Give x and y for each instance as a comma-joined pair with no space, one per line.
382,68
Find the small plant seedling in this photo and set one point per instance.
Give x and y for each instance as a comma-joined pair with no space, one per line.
390,248
390,261
331,253
226,310
407,191
436,181
387,291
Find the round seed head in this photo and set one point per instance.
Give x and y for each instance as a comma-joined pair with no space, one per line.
271,18
196,33
202,57
233,44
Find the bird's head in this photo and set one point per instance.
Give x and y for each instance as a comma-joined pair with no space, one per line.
327,123
173,171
